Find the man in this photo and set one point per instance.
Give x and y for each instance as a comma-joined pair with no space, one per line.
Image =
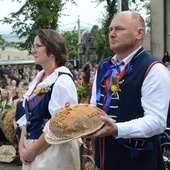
75,63
131,87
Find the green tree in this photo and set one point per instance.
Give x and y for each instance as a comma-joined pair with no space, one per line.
2,43
33,15
71,40
147,19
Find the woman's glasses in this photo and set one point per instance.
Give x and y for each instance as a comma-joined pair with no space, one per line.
35,47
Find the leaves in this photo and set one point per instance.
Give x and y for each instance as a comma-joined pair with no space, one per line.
82,90
2,43
33,15
71,40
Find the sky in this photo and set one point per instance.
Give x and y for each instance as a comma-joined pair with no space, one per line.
88,13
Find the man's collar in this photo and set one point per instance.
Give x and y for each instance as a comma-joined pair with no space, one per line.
126,59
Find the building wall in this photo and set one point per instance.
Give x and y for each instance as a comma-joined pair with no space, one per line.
157,28
168,26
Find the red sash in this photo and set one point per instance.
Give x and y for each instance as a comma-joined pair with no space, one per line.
102,140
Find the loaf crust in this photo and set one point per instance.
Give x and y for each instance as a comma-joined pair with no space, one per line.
74,121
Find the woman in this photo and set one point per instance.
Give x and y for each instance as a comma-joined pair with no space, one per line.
48,92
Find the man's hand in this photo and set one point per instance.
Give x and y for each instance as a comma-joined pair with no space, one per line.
109,128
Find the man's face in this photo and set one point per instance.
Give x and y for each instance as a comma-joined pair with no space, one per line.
122,36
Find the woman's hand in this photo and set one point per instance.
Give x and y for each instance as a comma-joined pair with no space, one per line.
25,157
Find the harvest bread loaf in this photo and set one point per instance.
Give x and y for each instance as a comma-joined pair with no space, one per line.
74,121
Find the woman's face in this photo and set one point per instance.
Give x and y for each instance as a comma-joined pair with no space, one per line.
39,52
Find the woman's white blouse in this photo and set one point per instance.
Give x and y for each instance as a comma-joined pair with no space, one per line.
64,90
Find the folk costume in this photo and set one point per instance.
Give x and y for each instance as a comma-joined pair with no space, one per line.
42,101
118,91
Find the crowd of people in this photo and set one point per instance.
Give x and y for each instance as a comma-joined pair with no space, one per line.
15,79
130,86
14,82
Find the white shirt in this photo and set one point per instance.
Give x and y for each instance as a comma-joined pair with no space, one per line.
63,91
155,102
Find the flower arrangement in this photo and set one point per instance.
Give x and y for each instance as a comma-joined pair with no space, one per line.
42,90
82,91
115,88
84,88
7,105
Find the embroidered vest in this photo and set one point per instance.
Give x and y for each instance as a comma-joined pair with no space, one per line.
130,94
128,107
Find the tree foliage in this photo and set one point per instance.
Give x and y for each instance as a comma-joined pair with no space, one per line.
36,14
148,19
33,15
71,40
2,43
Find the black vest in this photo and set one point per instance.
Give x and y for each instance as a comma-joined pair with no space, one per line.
129,107
37,113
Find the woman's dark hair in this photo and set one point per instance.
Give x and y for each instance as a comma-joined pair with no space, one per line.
55,45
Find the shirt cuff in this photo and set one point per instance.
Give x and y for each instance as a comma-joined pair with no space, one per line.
22,121
123,130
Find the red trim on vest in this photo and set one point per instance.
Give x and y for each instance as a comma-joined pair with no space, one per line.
149,68
106,83
101,140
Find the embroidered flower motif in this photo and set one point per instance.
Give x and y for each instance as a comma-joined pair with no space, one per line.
115,88
42,90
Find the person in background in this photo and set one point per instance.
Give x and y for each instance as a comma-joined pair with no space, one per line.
75,74
5,100
75,63
5,104
131,87
44,99
165,60
27,77
12,92
14,85
2,71
21,70
87,66
26,70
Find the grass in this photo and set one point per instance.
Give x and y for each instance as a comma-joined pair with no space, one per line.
13,53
